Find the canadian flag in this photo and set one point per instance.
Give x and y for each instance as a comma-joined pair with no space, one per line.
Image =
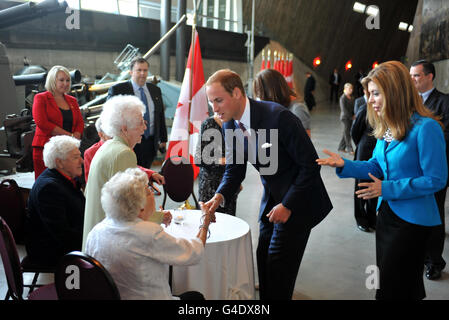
185,130
289,71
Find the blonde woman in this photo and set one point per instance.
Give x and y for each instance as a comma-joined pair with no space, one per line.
346,117
408,166
55,113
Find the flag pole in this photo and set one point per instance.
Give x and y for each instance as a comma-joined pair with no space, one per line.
192,45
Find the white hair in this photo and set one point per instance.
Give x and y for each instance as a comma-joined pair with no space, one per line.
50,81
98,125
124,195
121,110
58,147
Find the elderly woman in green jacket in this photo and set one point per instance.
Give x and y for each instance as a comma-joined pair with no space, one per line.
122,119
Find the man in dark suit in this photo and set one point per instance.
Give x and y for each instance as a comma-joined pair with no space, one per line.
334,81
294,198
361,133
360,101
155,137
309,88
423,74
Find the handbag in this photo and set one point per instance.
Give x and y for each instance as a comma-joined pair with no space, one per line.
13,208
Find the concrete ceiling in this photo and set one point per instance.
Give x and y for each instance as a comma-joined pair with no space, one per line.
332,30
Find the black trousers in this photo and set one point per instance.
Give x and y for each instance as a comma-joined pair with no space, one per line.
334,93
145,152
435,245
400,252
364,210
279,253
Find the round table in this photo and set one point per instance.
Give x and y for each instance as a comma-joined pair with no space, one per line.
226,270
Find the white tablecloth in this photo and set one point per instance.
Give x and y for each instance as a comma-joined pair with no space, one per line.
226,270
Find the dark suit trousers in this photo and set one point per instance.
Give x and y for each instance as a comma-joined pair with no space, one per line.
334,93
435,245
279,254
364,210
145,152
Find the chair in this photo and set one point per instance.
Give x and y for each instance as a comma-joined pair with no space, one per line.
78,276
178,174
14,272
14,212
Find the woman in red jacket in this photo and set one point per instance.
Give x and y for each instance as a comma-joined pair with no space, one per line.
55,113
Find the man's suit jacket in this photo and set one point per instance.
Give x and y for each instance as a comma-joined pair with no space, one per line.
160,130
438,103
361,135
332,78
47,116
296,182
358,103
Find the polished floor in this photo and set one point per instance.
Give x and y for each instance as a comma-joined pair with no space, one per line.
338,255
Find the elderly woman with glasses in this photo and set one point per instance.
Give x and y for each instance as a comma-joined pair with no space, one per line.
122,120
137,252
54,223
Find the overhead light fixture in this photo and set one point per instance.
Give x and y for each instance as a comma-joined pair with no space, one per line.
410,28
348,65
316,62
359,7
372,11
403,26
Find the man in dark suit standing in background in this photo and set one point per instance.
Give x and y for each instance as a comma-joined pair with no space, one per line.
309,88
155,137
294,199
423,74
334,81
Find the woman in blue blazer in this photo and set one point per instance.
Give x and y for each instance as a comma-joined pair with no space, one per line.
407,167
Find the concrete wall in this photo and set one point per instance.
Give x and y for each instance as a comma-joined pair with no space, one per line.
430,39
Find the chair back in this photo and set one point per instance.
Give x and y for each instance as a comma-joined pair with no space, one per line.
79,276
179,178
11,261
13,208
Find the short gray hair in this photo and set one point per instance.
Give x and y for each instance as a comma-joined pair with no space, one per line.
58,147
121,110
124,195
50,82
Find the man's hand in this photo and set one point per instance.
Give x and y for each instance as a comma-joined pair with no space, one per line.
159,179
279,214
212,205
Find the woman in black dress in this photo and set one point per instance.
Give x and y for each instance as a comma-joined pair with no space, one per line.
210,157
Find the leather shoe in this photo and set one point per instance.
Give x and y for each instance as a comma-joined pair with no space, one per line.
433,273
363,228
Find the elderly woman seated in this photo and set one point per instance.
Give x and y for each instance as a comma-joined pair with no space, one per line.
54,223
135,251
122,120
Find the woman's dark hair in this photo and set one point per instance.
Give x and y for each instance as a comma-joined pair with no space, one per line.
270,85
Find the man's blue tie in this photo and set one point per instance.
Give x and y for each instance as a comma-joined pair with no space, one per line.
146,116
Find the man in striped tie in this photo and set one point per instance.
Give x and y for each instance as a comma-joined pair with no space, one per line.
294,199
155,137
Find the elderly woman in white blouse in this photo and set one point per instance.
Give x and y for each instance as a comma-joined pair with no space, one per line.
137,252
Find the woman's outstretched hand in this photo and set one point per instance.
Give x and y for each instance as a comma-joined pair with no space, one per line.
335,160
